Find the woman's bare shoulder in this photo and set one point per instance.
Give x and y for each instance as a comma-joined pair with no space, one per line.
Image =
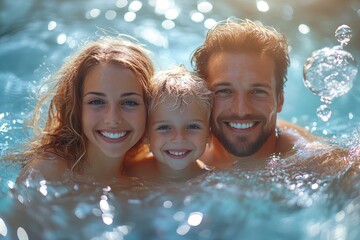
46,166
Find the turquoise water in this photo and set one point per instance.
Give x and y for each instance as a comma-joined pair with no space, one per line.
278,202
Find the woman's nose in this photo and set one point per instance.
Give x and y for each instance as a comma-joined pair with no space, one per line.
113,116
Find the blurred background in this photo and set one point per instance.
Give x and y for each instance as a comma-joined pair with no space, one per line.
37,35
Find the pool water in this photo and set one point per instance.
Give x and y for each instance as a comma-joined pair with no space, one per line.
276,200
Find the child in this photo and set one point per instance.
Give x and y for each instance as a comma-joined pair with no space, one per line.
96,117
178,126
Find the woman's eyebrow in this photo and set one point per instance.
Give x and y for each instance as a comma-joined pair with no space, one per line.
103,94
130,93
95,93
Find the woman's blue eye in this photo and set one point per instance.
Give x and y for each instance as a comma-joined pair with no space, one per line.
130,103
96,102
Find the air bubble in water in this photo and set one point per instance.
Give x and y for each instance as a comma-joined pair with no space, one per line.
324,112
343,34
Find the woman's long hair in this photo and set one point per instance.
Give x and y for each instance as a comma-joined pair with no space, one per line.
62,133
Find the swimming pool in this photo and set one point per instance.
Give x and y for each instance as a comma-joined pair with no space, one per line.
279,202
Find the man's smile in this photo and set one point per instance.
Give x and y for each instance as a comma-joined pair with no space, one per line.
241,125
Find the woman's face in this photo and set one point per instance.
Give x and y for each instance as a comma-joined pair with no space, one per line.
113,111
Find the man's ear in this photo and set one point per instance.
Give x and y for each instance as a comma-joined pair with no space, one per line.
280,101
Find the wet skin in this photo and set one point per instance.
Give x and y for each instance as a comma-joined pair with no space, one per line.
178,137
113,114
245,106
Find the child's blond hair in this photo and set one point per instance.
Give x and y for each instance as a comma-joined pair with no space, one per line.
182,85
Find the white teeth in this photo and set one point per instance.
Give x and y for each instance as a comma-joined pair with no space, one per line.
177,153
113,135
241,125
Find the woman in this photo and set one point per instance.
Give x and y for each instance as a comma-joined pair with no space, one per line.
96,117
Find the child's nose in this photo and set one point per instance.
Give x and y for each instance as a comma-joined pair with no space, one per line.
179,136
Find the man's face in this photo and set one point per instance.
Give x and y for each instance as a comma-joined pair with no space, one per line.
246,103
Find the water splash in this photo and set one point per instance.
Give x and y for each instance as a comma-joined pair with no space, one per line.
330,72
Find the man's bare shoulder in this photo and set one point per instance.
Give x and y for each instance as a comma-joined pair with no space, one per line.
292,137
46,166
294,132
312,153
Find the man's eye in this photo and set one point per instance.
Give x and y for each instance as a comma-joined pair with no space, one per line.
259,92
222,91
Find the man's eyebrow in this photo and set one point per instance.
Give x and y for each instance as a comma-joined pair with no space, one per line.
264,85
220,84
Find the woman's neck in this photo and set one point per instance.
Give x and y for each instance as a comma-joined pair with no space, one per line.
99,168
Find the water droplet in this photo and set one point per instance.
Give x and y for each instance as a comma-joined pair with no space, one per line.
343,35
351,116
324,112
330,72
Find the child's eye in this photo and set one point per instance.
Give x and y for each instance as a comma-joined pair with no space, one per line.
163,127
194,126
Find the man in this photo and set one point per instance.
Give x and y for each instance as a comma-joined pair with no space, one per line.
245,65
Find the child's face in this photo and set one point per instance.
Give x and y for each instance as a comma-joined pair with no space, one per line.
113,111
178,138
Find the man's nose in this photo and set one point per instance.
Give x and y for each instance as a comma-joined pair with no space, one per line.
241,104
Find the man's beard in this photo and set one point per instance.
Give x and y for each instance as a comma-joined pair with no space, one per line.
241,147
